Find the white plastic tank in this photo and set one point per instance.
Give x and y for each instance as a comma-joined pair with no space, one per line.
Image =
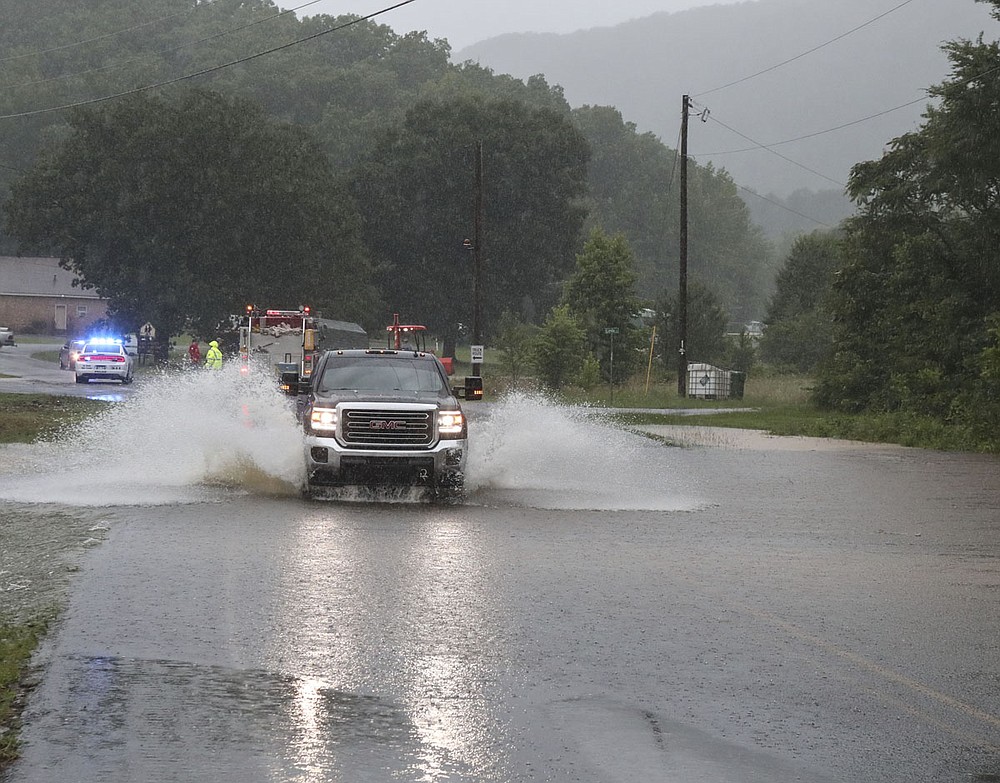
708,382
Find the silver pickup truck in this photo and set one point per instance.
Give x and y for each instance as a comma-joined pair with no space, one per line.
384,418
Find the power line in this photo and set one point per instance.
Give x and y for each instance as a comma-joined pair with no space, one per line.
876,115
113,66
95,39
205,71
759,145
705,114
805,53
784,207
823,132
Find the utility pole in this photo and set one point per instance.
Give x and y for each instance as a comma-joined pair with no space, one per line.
682,296
477,255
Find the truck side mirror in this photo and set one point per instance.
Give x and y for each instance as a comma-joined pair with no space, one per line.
473,389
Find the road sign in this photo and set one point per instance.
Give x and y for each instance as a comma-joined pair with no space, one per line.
477,354
611,330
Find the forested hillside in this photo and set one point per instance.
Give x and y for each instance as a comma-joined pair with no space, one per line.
393,120
643,67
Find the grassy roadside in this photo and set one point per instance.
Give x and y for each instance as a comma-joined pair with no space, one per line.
28,417
805,420
17,642
25,418
779,405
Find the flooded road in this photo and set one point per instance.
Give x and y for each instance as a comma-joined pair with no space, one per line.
603,608
22,373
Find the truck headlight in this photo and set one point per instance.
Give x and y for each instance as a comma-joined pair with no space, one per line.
451,424
323,419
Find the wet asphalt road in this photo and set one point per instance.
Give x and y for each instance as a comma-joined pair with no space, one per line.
822,615
747,609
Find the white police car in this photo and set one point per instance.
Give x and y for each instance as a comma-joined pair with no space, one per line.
104,359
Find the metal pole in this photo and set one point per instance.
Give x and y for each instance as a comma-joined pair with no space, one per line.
649,365
477,250
682,288
612,369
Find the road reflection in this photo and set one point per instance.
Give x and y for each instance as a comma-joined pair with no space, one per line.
448,694
407,627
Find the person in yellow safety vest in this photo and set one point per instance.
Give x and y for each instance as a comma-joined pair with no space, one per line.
213,358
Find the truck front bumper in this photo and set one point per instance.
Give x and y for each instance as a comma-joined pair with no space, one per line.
330,464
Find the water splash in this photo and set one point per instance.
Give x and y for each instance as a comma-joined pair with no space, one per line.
177,439
193,437
532,451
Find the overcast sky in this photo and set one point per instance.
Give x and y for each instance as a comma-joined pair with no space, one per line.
464,22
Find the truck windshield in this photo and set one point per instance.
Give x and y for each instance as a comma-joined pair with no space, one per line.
382,374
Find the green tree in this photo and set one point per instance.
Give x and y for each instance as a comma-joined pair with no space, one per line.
633,190
416,192
921,278
560,348
601,294
344,86
183,210
706,327
515,340
799,323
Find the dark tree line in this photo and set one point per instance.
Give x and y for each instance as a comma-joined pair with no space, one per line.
917,301
204,206
369,215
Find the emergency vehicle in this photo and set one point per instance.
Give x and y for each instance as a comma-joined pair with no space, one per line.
282,342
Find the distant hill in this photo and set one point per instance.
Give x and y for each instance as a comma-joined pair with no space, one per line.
643,67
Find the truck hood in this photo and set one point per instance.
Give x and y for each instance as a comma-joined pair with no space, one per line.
430,398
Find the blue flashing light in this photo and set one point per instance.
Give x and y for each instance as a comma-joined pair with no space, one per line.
104,341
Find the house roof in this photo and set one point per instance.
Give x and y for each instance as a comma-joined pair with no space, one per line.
26,276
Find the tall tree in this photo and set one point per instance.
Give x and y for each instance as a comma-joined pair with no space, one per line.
921,282
634,190
706,326
560,348
601,294
417,190
799,323
183,210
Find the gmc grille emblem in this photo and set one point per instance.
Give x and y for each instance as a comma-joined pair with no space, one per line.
384,424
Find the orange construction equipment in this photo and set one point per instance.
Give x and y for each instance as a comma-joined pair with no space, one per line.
413,337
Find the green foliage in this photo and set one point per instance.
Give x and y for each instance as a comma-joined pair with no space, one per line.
416,191
728,254
601,295
589,375
633,191
706,327
365,93
799,323
515,341
183,210
977,406
921,276
560,348
741,354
